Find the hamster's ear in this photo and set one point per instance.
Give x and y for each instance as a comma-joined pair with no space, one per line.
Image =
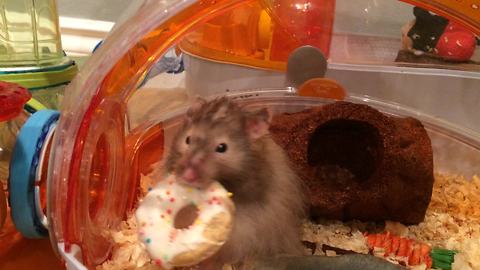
258,123
195,106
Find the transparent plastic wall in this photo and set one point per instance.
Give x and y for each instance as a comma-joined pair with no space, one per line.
29,33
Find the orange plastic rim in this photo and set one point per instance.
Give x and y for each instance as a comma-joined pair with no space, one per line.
322,88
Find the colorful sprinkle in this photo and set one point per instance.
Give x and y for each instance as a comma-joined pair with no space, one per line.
158,262
172,200
173,235
189,190
198,222
169,211
168,192
148,241
230,194
162,216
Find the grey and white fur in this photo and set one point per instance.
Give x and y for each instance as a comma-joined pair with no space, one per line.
221,141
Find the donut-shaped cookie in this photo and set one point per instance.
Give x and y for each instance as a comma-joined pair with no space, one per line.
171,247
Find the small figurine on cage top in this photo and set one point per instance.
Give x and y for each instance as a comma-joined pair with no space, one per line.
439,37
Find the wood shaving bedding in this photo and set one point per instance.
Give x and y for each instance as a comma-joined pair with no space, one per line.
452,221
128,252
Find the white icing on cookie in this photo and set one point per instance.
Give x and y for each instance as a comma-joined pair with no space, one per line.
156,213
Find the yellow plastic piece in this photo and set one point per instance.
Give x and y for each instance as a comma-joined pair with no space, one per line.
35,104
264,30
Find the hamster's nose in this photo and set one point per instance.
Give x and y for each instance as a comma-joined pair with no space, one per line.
197,159
190,175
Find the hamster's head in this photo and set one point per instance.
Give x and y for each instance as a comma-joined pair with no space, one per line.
215,142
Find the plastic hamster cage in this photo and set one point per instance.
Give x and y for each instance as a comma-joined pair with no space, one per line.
104,138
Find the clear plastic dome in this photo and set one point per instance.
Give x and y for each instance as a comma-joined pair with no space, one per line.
110,132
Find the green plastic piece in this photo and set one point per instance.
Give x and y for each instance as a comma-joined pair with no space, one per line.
39,80
442,258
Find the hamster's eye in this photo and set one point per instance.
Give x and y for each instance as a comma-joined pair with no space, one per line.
221,148
187,140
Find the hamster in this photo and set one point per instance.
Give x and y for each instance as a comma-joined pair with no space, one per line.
221,141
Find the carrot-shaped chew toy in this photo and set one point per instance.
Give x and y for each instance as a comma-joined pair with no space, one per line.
409,252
